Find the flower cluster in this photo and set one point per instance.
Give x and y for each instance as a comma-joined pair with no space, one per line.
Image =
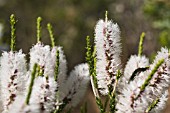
42,84
107,41
140,87
146,87
13,77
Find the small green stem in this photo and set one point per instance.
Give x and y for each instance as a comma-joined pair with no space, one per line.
49,27
113,103
140,48
13,32
112,94
100,105
91,60
153,105
39,19
94,82
89,55
57,65
31,84
147,81
106,14
94,67
160,62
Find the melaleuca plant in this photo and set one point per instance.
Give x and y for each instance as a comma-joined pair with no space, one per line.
43,87
138,88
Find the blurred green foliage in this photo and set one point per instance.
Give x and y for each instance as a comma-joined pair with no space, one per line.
159,12
72,21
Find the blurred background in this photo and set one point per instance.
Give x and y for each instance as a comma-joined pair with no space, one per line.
73,20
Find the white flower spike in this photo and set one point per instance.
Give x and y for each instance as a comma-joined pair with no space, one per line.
44,93
41,55
62,74
135,63
75,86
139,94
108,50
13,77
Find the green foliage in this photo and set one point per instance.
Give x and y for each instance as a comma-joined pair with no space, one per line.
31,84
49,27
91,60
39,19
159,12
89,57
140,48
13,32
165,38
100,105
113,103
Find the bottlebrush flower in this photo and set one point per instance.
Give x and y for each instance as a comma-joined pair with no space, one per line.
44,93
45,87
161,104
41,55
62,70
139,94
13,77
74,88
108,50
20,107
135,65
161,79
